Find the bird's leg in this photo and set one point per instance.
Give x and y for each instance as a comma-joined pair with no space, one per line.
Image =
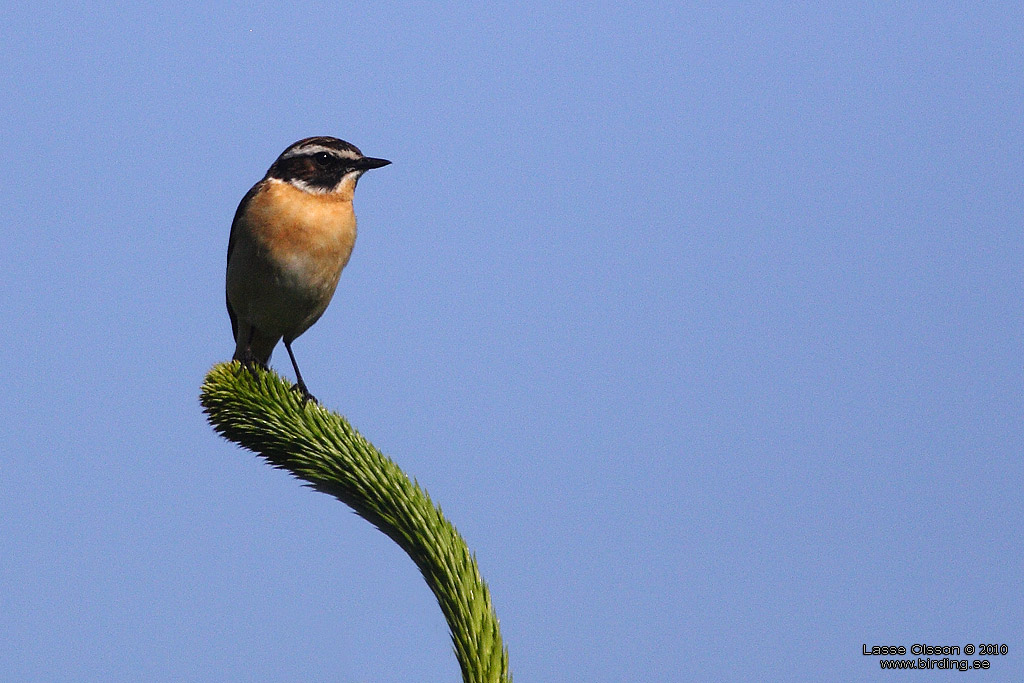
248,358
300,385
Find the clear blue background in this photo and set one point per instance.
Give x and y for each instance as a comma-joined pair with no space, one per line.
703,324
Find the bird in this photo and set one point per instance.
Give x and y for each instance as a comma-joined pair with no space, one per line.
291,237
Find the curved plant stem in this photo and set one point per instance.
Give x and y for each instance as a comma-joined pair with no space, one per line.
260,411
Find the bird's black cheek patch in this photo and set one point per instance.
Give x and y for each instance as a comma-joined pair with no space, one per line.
306,170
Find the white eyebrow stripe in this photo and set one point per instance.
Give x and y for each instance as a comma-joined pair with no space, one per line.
308,150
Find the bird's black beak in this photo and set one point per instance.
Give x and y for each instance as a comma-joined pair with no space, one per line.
366,163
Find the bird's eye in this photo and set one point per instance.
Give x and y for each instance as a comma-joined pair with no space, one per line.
322,158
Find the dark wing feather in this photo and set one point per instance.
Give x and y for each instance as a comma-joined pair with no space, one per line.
231,246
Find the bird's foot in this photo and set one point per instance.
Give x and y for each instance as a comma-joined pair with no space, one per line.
250,363
304,393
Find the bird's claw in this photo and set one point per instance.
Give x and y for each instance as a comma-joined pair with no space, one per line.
306,396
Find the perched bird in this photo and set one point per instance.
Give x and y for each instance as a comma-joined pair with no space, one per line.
292,235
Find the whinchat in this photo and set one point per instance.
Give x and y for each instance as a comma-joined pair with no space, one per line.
292,235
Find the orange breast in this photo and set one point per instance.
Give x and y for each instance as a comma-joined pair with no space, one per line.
289,223
307,237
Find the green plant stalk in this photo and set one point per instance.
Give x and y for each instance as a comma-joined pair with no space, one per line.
260,411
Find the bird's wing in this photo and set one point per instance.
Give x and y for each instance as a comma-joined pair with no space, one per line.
231,247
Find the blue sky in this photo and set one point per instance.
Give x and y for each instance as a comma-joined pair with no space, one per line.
703,324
